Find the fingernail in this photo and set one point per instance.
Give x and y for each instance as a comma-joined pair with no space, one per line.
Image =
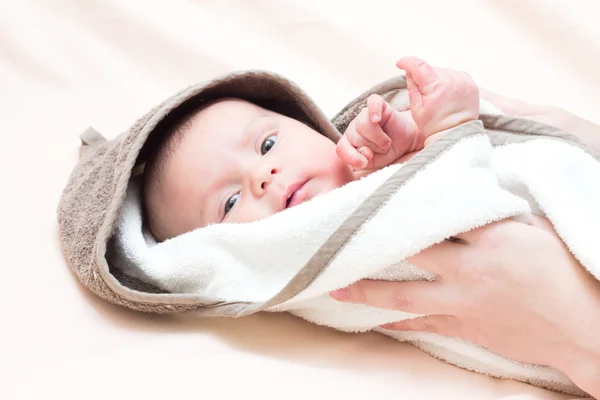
375,117
340,294
362,163
387,144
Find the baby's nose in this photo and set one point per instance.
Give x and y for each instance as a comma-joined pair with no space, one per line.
262,177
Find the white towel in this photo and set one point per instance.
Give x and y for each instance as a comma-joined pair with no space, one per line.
470,184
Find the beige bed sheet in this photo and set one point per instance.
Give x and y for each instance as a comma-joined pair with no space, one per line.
68,64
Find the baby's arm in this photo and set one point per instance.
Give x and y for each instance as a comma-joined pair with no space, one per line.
440,99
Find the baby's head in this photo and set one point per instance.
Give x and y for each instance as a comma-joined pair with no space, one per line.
233,161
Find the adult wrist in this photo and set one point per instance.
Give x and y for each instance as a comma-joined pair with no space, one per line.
580,358
586,131
585,373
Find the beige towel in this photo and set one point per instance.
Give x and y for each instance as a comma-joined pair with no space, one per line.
89,209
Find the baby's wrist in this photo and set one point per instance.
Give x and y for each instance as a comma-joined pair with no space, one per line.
450,123
412,130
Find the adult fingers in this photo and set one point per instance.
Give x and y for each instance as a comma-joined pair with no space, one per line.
497,232
446,325
443,259
416,297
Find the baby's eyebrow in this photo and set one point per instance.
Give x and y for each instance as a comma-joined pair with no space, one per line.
247,134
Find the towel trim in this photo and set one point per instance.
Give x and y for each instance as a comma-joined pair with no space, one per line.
87,224
500,129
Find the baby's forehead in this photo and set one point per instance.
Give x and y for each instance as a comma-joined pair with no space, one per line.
229,104
223,121
227,118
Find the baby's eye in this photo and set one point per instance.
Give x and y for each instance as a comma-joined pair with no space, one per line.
267,145
231,202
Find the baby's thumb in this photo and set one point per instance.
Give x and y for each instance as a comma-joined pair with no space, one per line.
414,93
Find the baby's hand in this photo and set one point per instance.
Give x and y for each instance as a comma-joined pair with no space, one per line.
378,136
440,98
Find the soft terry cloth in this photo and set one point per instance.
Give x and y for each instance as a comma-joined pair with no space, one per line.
466,179
470,184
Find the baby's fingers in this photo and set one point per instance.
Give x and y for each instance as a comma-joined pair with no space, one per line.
379,109
367,133
351,155
375,105
422,74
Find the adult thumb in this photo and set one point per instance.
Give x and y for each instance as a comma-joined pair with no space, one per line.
446,325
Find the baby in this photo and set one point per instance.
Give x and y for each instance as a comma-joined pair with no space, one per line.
233,161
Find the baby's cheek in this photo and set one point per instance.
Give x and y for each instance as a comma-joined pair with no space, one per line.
341,172
326,165
252,211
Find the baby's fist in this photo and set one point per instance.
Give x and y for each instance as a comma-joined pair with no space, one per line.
378,136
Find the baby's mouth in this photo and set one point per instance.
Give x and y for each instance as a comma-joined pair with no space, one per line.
297,196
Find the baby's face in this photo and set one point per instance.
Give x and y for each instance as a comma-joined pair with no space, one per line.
241,163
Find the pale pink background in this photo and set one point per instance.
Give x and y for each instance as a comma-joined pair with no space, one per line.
67,64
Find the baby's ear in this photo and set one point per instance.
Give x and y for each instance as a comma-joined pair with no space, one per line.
138,170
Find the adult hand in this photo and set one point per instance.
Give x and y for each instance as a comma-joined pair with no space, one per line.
587,132
511,287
